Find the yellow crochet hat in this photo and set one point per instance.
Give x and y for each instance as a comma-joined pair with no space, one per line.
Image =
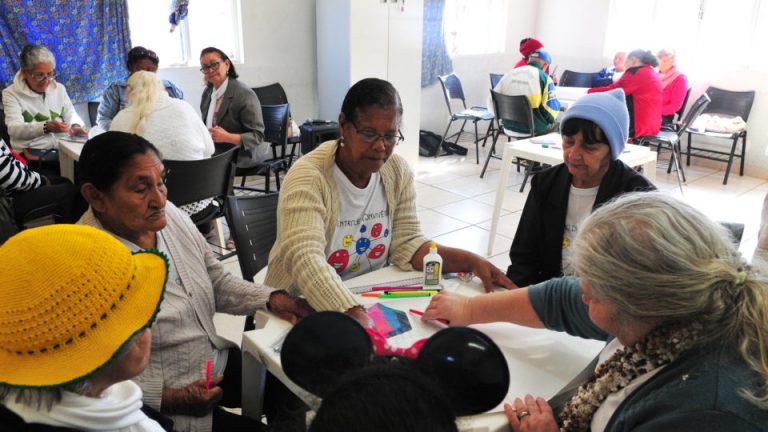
70,298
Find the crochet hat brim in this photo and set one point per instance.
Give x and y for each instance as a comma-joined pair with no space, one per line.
81,358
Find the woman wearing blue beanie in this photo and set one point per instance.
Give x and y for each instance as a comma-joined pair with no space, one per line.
594,131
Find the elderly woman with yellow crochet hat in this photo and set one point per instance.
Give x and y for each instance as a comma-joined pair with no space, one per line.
75,310
122,180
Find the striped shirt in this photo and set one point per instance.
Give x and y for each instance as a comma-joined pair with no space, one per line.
14,175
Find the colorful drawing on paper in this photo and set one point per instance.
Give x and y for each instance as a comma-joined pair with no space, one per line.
389,322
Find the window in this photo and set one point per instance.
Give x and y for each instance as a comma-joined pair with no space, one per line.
209,23
708,35
475,26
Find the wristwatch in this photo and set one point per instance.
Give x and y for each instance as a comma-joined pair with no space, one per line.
45,128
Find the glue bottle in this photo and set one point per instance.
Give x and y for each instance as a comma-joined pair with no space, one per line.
433,268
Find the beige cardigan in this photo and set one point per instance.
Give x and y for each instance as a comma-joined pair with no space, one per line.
184,334
307,213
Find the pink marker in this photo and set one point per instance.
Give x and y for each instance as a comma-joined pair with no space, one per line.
208,365
438,323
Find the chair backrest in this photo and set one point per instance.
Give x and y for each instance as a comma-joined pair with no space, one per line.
513,108
272,94
577,79
276,127
495,78
452,90
253,223
93,111
733,103
697,108
679,113
196,180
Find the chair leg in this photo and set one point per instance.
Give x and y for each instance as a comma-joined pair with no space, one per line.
527,173
461,130
688,151
730,159
489,131
277,180
442,140
267,180
242,181
490,154
743,152
477,145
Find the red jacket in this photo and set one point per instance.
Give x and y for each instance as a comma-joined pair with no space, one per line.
642,86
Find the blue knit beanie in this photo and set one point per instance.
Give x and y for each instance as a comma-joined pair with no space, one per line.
541,54
608,111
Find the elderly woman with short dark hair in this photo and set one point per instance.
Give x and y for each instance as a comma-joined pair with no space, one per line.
36,106
122,178
114,99
354,188
685,320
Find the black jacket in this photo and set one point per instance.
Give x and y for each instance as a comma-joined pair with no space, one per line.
536,252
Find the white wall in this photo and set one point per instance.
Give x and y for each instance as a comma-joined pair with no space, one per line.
574,34
278,45
473,70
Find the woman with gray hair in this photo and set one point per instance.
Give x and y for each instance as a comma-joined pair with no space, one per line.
674,85
36,106
686,320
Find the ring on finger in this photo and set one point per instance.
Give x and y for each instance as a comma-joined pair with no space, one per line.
522,414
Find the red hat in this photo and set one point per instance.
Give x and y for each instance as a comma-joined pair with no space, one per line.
529,45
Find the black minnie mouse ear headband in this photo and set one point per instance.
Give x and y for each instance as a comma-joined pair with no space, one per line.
465,363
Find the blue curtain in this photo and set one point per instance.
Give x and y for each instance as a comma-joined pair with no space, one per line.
434,56
88,37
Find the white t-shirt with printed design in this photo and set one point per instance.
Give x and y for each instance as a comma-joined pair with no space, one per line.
363,234
580,203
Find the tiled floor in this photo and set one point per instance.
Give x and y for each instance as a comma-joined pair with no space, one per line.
455,206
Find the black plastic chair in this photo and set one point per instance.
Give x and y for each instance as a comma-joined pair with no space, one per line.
93,112
729,103
196,180
671,139
517,109
276,132
274,94
452,90
495,78
253,223
577,79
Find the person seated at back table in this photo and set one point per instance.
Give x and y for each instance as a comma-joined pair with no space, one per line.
532,81
115,99
642,87
684,316
674,86
36,107
172,125
351,189
594,131
30,190
231,110
76,307
609,75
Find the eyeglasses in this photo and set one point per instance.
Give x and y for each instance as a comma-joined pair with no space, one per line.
209,67
40,77
371,137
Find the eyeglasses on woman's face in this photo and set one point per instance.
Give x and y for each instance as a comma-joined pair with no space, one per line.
370,137
40,77
205,68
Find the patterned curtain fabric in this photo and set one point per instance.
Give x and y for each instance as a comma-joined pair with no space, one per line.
88,38
434,56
